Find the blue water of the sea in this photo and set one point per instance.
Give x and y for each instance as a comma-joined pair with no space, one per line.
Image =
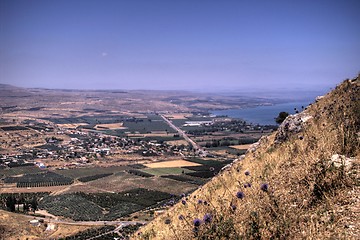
263,115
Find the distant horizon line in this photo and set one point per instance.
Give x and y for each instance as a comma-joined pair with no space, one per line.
224,91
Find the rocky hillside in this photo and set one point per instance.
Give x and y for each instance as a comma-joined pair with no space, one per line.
302,182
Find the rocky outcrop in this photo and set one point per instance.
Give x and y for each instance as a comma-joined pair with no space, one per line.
342,161
291,125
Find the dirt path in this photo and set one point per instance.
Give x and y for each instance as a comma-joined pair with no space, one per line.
45,213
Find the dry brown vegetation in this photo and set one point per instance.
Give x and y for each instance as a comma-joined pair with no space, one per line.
241,147
304,182
174,163
71,125
110,126
16,226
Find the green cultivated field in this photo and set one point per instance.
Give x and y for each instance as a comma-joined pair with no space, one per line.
85,172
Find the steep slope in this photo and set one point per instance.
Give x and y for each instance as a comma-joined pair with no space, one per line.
302,182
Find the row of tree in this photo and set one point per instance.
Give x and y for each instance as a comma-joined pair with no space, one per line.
13,204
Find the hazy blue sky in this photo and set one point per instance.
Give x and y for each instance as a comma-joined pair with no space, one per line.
184,44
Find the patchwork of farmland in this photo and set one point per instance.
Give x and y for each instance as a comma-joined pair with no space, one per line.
102,206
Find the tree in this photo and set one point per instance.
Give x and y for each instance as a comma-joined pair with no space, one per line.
34,204
281,117
10,203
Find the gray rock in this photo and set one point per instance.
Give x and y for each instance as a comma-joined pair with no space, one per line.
291,125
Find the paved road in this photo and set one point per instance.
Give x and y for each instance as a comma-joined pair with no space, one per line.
181,133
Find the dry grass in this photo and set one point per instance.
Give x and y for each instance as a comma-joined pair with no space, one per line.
14,189
309,196
178,115
152,134
71,125
175,163
241,147
110,126
17,226
177,142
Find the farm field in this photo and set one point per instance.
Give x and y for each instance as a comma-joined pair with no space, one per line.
19,171
152,134
126,181
90,171
166,171
71,125
241,147
101,206
177,142
178,116
110,126
169,164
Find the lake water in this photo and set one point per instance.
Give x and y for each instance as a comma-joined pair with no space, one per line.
263,115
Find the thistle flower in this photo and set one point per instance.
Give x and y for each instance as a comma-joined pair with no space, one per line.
183,202
233,207
197,222
240,195
207,218
264,187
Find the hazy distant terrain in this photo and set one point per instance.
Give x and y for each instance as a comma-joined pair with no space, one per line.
14,99
126,155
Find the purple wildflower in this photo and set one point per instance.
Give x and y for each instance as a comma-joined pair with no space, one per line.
183,202
240,195
233,207
247,172
197,222
181,217
264,187
200,201
207,218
